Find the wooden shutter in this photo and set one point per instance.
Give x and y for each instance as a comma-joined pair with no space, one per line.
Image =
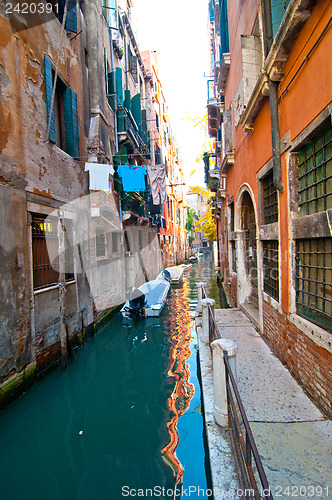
70,112
111,90
136,110
119,90
71,19
278,8
48,79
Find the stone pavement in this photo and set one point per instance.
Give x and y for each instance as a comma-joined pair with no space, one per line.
293,437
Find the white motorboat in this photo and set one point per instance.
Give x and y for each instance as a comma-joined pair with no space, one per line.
175,272
148,300
186,267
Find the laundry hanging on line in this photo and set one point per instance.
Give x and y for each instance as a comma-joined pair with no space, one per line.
133,177
99,174
154,209
157,178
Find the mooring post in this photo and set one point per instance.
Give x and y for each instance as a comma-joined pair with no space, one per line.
199,297
220,411
206,320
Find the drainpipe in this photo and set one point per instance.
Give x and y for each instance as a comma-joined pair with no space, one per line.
115,99
274,113
275,135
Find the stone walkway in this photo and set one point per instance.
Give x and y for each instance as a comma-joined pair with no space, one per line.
293,437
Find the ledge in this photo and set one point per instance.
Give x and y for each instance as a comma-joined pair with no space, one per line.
227,162
312,226
269,231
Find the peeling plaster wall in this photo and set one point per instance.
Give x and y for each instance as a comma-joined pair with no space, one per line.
15,337
35,175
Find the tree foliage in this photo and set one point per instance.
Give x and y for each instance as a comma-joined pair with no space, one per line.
207,224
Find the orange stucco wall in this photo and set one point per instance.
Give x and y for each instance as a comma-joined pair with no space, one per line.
299,104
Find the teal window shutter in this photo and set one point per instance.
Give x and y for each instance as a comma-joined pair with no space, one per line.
111,90
71,19
136,110
224,35
278,8
48,79
70,112
119,90
127,100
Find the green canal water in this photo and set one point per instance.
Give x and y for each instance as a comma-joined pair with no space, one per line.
125,416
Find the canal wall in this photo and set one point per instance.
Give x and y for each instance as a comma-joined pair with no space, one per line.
49,358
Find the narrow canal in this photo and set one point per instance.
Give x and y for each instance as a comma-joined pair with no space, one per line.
125,417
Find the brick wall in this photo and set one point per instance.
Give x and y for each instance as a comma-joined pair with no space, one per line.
309,363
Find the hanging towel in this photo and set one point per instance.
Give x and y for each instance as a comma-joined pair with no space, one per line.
99,174
157,177
133,177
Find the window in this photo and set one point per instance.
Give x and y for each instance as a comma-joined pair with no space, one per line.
44,274
271,268
100,243
45,242
140,239
313,280
115,242
270,199
231,213
233,256
132,65
71,17
62,114
315,174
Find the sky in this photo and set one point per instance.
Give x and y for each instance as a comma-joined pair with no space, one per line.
177,30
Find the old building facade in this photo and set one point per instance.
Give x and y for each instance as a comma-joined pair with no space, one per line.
76,104
270,114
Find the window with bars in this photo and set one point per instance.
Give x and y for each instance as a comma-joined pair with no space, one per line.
315,174
233,256
313,280
270,199
132,63
271,268
115,242
231,211
45,242
100,243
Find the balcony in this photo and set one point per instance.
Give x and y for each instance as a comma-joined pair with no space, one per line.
130,135
214,114
135,205
223,71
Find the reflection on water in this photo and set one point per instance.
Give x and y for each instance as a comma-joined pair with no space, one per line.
126,413
180,324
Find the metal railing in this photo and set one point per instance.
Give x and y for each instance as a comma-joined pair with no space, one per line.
127,123
242,438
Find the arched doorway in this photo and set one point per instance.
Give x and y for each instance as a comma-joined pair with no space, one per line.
247,251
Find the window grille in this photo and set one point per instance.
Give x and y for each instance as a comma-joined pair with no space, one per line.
69,251
233,256
45,273
270,200
313,280
100,243
315,174
271,268
115,242
231,207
